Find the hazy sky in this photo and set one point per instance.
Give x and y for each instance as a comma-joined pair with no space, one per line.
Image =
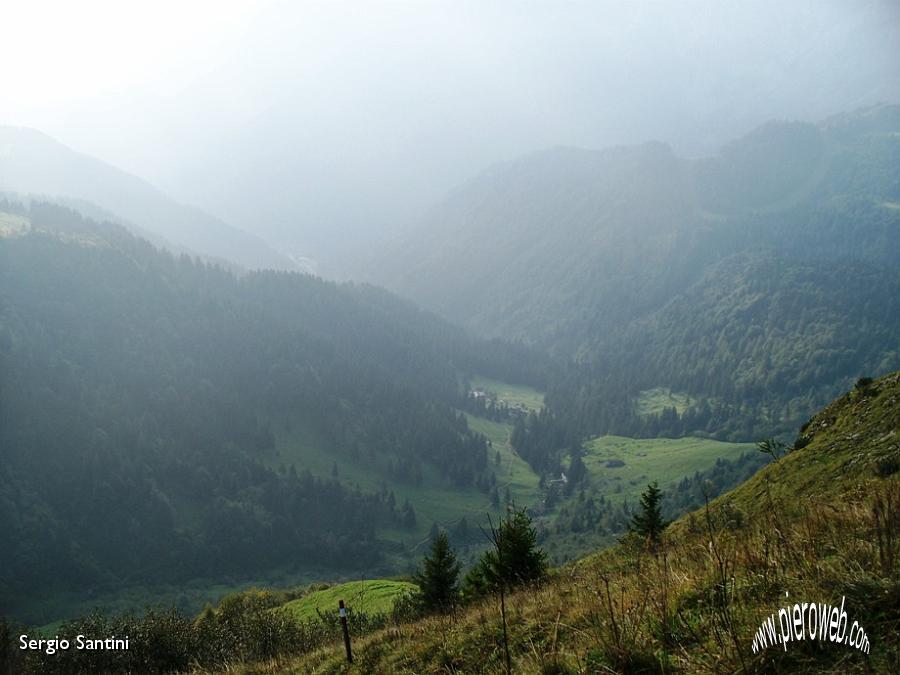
59,53
316,124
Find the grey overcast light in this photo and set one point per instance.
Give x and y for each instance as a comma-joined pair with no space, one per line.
324,127
486,336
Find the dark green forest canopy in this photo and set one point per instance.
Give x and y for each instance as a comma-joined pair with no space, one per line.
138,394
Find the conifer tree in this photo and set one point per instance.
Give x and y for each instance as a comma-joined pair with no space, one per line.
439,579
514,559
648,521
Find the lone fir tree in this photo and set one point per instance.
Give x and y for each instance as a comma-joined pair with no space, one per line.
648,521
439,579
514,558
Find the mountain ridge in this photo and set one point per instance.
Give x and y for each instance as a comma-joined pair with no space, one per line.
33,163
584,253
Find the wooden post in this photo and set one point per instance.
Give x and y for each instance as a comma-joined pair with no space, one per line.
343,613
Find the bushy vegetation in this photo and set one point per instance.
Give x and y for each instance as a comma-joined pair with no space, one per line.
514,558
245,627
257,626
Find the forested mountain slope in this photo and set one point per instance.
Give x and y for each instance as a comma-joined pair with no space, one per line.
760,281
32,163
139,394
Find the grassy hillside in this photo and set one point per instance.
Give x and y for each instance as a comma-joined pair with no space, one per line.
371,597
818,525
596,511
511,394
644,460
433,499
513,472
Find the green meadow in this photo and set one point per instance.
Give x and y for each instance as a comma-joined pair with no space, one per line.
435,500
650,459
512,394
370,597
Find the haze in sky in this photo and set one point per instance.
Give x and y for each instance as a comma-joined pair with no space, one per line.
327,128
